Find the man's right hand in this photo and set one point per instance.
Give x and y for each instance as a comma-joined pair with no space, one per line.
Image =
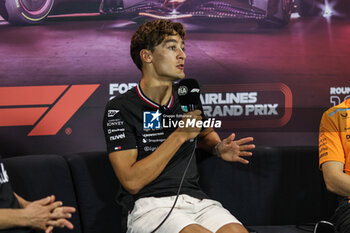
189,132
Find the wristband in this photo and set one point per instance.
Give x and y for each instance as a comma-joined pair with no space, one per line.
216,152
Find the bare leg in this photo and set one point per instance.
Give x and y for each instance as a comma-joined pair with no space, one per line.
232,228
195,228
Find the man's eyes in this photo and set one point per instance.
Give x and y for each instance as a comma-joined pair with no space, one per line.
174,48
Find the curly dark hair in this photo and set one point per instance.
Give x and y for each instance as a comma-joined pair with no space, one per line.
151,34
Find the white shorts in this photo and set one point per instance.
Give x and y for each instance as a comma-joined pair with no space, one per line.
149,212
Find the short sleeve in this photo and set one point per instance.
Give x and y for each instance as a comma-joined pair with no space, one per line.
118,128
330,145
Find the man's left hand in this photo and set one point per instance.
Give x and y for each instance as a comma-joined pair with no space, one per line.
230,150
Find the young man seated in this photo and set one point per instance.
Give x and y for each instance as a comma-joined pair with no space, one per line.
149,163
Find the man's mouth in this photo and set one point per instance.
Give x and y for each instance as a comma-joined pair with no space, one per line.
181,66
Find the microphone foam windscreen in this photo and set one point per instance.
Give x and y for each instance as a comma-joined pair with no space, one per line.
189,92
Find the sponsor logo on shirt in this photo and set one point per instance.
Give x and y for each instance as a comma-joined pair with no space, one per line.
146,135
151,120
110,131
111,113
156,140
184,108
115,122
323,154
116,137
344,115
151,140
150,148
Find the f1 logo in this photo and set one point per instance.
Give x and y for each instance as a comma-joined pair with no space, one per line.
47,107
151,120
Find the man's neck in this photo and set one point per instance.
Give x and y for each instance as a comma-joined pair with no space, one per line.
157,91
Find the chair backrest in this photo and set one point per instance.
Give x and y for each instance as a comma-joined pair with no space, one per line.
96,187
280,186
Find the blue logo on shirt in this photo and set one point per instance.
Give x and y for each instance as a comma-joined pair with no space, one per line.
151,120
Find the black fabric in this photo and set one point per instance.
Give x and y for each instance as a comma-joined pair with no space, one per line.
18,230
341,218
280,186
276,229
8,199
38,176
124,129
96,187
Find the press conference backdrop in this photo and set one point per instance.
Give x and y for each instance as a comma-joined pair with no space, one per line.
59,108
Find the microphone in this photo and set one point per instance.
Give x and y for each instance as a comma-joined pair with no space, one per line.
189,94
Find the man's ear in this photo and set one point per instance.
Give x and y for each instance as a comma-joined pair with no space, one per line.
146,55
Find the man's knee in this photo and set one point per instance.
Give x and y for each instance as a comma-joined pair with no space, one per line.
195,228
232,228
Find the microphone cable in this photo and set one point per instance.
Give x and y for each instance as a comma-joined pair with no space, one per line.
179,189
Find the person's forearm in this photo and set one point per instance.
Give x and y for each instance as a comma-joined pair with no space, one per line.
148,169
208,142
10,218
339,184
